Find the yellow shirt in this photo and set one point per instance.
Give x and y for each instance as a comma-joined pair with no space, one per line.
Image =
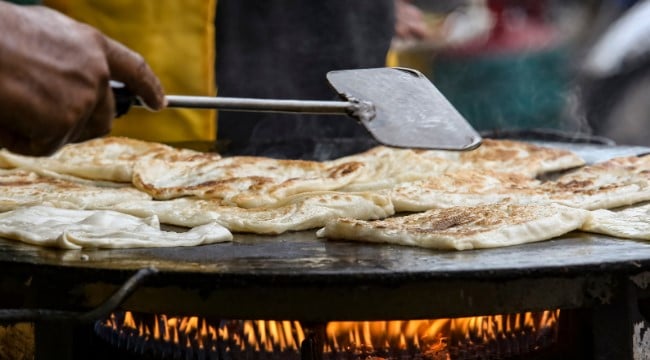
177,40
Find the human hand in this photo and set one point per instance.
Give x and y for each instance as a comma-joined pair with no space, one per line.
409,22
54,80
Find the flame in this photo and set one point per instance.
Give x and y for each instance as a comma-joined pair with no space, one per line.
421,334
525,330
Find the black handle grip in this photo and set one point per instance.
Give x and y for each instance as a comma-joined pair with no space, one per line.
124,98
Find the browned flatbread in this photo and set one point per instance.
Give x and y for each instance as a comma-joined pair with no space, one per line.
518,157
240,180
108,158
463,227
297,212
270,196
25,188
465,188
611,184
604,171
386,167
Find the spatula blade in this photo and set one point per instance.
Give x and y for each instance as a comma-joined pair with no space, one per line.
410,111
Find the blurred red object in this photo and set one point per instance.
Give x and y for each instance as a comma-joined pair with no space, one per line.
520,25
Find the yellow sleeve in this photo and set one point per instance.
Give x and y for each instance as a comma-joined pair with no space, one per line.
177,39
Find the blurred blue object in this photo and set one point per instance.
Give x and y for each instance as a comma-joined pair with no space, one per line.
506,91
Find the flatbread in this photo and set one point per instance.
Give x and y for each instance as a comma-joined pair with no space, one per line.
611,184
77,229
518,157
465,188
617,182
25,188
108,158
602,171
297,212
239,181
629,223
385,167
463,228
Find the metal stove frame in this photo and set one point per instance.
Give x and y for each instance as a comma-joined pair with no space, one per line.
299,277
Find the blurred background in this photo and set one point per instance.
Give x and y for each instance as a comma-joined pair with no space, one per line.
577,69
566,68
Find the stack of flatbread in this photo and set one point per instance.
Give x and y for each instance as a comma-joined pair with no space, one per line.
181,187
488,197
77,229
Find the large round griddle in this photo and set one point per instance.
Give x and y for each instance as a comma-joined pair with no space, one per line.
297,276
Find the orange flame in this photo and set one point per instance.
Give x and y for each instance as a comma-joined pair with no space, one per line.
362,337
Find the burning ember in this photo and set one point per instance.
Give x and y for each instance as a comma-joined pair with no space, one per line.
497,336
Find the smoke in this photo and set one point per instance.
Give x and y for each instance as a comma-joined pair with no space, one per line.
574,114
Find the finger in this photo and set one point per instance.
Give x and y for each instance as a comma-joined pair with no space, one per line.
14,142
21,144
100,120
130,68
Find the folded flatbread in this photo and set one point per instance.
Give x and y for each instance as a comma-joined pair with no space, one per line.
26,188
108,158
463,228
629,223
518,157
77,229
386,167
617,182
611,184
297,212
240,180
465,188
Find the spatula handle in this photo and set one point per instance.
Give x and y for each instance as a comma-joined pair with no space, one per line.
259,105
124,99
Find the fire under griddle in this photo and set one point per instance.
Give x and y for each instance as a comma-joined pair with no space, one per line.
297,276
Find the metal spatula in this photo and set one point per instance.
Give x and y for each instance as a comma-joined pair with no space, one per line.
398,106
